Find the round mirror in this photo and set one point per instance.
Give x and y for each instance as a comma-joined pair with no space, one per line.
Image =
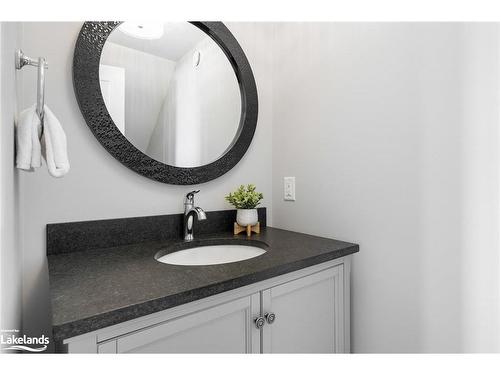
171,91
174,101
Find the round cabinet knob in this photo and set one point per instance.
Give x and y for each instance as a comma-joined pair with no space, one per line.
259,322
270,317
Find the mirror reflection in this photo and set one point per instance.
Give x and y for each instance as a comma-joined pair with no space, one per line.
171,90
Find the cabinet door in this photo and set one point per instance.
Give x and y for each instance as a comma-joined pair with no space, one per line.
309,314
225,328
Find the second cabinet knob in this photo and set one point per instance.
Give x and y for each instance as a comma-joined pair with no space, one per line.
270,318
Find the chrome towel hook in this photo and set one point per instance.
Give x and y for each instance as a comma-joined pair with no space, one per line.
41,64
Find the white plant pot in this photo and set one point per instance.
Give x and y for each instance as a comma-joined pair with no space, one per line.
246,217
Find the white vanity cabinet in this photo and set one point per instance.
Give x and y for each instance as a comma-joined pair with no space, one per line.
310,307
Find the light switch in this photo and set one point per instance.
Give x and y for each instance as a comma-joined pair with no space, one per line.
289,188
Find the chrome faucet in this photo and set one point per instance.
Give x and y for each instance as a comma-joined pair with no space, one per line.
189,211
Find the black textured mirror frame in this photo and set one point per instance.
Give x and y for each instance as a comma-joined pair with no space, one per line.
86,60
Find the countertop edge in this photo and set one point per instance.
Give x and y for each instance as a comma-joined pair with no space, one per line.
110,318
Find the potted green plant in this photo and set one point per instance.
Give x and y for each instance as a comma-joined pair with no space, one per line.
245,200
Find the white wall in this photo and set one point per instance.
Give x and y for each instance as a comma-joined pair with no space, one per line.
10,254
480,188
391,132
98,186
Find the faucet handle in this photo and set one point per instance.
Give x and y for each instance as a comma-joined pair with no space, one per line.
190,197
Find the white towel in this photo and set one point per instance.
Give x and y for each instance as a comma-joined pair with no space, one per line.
28,150
54,145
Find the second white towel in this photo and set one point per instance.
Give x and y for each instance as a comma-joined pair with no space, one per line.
54,148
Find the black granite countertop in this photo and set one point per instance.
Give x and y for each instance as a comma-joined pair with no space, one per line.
97,288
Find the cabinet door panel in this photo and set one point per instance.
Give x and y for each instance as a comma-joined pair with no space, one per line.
309,314
225,328
107,347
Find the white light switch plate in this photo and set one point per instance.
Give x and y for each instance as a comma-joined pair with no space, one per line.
289,188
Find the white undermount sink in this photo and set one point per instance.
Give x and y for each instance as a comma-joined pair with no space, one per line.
215,254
